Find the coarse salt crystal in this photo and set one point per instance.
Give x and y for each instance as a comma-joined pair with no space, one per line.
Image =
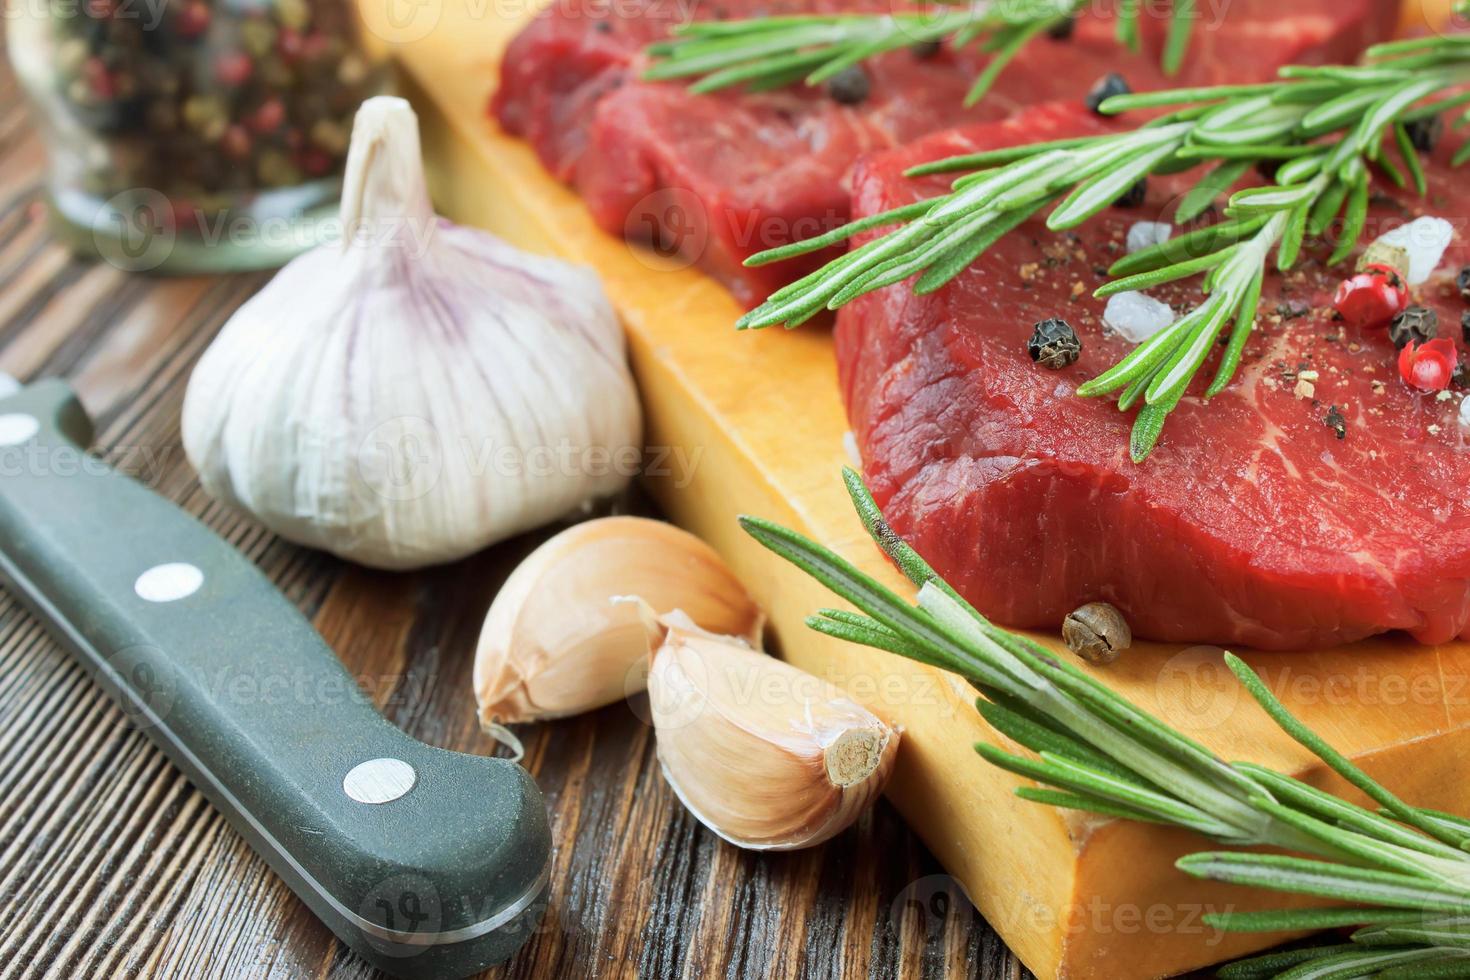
1146,234
1136,317
1425,239
1465,414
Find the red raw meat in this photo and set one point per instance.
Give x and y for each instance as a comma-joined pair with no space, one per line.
1253,522
720,177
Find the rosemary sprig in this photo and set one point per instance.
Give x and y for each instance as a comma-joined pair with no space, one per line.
1407,869
773,52
1325,129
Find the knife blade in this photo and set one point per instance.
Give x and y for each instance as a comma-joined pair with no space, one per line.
427,862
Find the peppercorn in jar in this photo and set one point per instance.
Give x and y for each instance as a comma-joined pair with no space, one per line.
193,135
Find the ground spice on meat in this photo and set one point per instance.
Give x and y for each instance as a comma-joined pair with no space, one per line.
1334,420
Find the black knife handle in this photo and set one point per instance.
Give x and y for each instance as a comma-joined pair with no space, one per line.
430,863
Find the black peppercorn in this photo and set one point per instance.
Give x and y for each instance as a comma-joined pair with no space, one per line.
1417,324
924,50
1134,196
1461,376
1108,86
1063,29
1054,344
1465,326
1424,134
1463,281
849,86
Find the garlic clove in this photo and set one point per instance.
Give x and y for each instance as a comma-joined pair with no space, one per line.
765,755
558,640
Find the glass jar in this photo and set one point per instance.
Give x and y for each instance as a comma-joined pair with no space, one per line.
193,135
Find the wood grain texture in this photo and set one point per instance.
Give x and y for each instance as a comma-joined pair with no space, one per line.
112,865
761,421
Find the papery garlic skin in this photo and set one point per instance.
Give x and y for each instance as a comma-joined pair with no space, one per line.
558,641
765,755
419,392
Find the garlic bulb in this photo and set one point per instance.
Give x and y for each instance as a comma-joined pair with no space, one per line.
557,640
421,390
763,754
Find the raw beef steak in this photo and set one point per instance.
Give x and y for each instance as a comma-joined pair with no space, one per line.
720,177
1315,501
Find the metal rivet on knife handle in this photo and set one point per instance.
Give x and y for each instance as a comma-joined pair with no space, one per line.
379,780
169,582
17,427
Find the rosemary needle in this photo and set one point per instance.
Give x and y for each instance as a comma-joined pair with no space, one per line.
1323,128
1404,870
768,51
720,54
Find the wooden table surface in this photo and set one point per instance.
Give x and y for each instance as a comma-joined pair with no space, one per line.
113,865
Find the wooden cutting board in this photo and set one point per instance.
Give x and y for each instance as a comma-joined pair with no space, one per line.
752,423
